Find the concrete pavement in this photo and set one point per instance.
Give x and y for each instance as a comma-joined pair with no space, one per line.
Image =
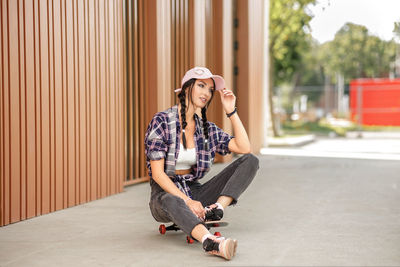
299,211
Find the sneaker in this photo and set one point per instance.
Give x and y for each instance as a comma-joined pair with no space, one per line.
220,246
214,213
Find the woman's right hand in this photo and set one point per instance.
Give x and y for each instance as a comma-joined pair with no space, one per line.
196,208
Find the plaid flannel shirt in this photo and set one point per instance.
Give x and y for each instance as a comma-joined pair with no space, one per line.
162,141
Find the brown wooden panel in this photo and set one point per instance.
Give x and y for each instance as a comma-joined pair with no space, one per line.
15,90
50,39
135,93
107,93
30,111
70,104
131,48
61,140
44,106
63,66
86,92
75,100
38,114
81,99
58,107
113,163
142,89
101,98
6,113
121,96
1,120
22,106
92,44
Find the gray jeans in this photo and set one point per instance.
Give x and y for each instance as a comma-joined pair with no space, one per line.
231,181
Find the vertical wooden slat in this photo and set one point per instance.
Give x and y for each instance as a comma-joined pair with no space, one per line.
14,99
82,107
111,97
22,81
173,48
70,96
2,177
75,66
51,69
121,105
106,96
130,84
104,117
97,90
45,107
138,81
186,38
65,158
58,107
30,110
93,99
87,90
135,91
6,113
101,88
142,88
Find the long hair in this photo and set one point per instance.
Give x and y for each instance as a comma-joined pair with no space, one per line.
188,86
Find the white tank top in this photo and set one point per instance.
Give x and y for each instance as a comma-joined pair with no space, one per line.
186,158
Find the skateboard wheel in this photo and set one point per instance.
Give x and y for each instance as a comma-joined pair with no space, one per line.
162,229
189,240
217,234
216,225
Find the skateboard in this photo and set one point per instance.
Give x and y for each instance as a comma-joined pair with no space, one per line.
209,224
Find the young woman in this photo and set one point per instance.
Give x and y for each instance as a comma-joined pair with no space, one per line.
180,148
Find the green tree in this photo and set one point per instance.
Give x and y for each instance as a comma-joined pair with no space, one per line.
396,29
289,32
356,54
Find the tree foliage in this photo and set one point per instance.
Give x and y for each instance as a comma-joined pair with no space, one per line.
289,36
288,31
396,29
356,53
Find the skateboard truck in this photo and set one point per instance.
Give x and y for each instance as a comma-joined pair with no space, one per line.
173,227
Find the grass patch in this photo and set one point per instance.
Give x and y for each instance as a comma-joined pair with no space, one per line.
319,128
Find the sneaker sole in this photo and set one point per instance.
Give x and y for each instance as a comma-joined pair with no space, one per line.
234,249
229,248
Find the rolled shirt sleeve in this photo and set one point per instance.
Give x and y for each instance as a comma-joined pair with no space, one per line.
223,141
155,141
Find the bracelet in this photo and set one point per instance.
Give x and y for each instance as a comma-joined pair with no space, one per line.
230,114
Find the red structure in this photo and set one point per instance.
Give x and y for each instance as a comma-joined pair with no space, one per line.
375,101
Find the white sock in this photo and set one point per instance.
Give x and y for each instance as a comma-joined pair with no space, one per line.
205,237
219,206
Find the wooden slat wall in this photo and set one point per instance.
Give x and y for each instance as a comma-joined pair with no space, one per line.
135,91
250,59
62,85
219,58
140,53
180,42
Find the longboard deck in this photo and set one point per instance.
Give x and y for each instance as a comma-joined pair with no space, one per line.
208,224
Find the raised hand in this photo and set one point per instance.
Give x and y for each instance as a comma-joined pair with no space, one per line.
228,100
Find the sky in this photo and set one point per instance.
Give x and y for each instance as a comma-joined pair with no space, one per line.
377,15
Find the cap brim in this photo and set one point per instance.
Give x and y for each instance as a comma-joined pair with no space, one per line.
219,82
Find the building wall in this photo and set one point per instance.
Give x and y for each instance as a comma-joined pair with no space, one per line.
81,80
61,105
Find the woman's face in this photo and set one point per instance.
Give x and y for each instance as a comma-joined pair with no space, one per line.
202,92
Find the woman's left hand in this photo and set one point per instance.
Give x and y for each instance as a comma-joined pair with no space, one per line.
228,100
